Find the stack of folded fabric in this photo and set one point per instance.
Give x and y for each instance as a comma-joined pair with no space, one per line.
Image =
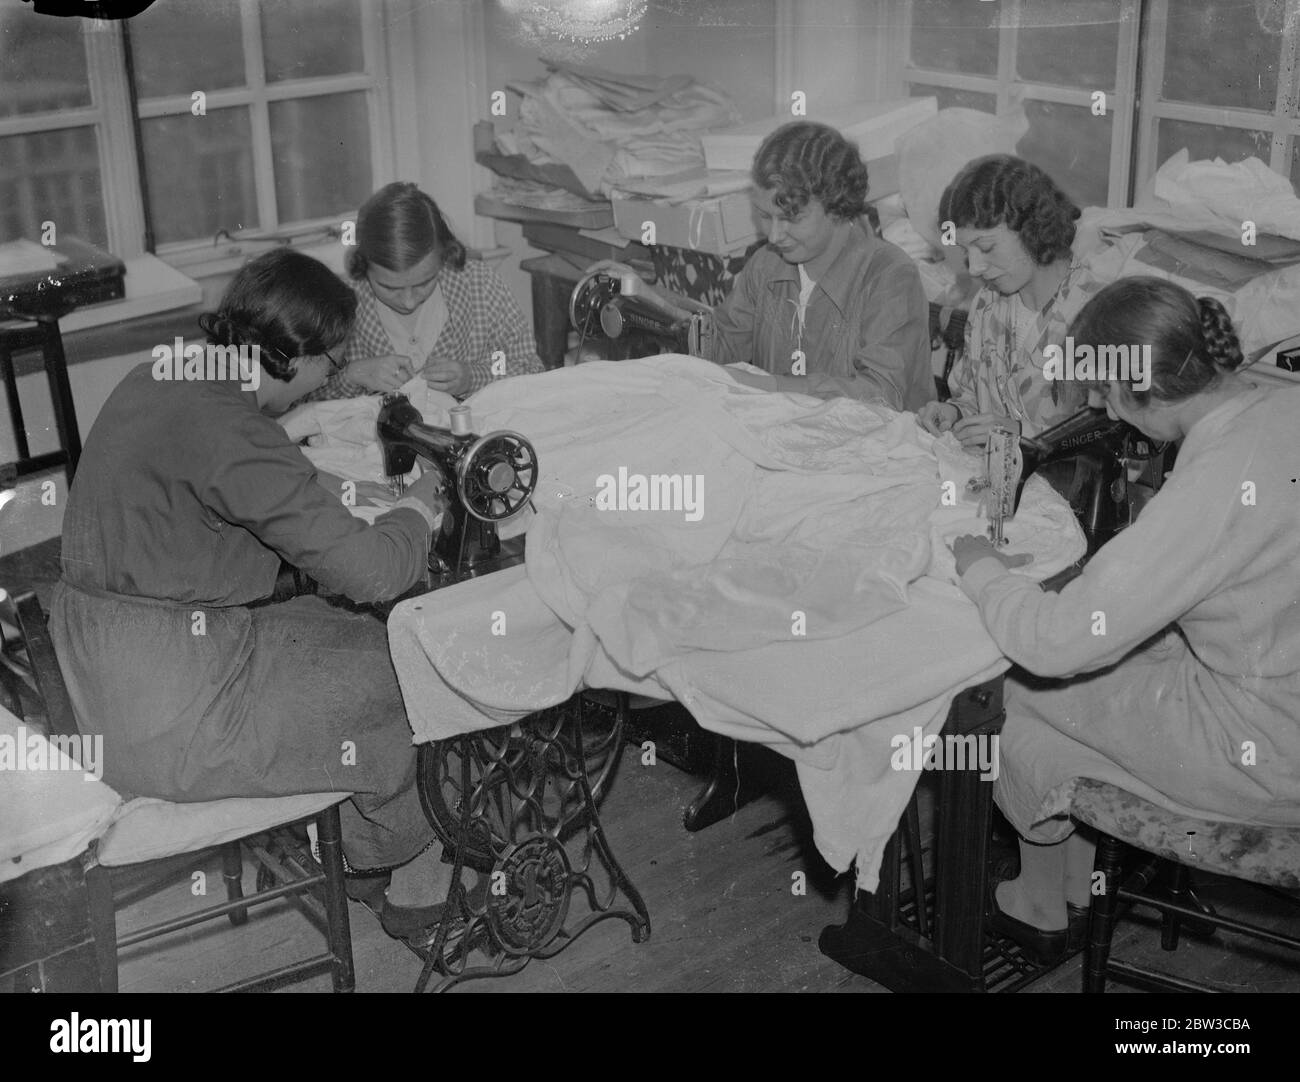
611,128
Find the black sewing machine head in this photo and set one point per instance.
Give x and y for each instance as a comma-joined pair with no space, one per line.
1086,458
486,479
612,302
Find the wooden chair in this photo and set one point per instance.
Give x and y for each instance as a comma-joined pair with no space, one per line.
147,829
1268,856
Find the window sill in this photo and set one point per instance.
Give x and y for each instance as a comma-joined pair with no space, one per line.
152,287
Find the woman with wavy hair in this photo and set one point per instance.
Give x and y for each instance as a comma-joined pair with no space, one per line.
188,497
826,307
1016,228
1174,658
424,307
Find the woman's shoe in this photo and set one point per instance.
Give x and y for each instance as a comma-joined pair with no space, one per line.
1045,948
411,921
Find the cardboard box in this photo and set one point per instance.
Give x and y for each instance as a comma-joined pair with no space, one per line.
874,126
722,225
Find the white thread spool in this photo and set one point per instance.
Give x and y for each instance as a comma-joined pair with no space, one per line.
462,424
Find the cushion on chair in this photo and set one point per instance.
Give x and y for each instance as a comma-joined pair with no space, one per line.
148,829
47,816
1261,854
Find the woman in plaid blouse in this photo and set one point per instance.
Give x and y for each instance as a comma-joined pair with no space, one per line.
423,308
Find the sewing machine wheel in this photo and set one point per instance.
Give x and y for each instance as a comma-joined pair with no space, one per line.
497,476
505,767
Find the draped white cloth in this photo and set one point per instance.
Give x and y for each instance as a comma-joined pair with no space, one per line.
800,593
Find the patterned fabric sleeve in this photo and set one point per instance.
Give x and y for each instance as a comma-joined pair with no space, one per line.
961,380
498,323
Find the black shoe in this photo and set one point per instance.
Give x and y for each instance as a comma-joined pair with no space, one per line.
417,921
1045,948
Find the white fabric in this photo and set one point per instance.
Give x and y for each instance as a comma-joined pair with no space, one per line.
47,816
798,609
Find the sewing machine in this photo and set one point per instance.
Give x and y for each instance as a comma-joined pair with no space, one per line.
1087,458
612,302
488,479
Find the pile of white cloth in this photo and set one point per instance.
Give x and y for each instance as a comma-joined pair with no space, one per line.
574,117
796,589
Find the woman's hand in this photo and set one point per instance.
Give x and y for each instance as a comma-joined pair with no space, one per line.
936,417
973,431
448,375
385,373
430,489
968,548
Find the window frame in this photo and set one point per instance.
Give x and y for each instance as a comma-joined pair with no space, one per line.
203,256
1134,101
110,114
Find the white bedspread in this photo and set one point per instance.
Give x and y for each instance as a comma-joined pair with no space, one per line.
806,602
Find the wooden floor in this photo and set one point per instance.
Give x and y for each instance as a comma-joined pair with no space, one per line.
723,914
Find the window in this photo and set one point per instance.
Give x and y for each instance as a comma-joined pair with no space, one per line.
1218,77
256,118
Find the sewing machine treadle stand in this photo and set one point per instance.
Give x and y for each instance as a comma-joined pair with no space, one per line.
505,802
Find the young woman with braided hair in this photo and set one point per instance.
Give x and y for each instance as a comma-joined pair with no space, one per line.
1188,693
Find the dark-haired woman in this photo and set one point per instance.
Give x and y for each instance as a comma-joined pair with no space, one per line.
1016,228
826,307
188,497
423,307
1180,642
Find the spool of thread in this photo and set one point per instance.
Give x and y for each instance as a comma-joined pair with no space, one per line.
461,422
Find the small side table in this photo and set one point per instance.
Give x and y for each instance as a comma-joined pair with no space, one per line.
40,332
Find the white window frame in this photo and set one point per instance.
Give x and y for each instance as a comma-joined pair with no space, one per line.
1282,122
110,114
199,257
1134,114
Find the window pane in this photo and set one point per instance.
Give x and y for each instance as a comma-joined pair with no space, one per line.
1072,146
187,45
1219,52
951,99
321,150
305,38
52,176
955,35
200,174
1085,31
1208,141
42,63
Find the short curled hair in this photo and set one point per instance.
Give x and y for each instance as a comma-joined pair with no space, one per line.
397,227
802,161
1191,338
1005,190
286,304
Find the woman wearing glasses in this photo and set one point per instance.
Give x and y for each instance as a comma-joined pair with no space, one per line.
188,497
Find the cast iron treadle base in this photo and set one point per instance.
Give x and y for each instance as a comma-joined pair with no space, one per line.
515,796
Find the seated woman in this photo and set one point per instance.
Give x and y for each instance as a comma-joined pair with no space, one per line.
187,498
422,306
826,307
1181,638
1016,228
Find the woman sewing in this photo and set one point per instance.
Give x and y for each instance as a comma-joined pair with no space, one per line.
1179,644
188,497
424,307
825,307
1016,228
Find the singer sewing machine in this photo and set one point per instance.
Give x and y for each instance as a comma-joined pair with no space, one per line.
1087,458
613,303
487,479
